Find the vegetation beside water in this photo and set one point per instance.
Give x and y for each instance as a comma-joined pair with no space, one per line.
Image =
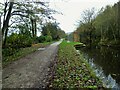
100,27
71,71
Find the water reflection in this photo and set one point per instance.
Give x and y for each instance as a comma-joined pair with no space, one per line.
108,61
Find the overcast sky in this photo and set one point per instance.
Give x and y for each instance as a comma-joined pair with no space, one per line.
72,10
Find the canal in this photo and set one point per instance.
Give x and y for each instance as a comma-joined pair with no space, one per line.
106,63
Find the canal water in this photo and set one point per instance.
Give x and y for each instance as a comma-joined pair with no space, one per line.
106,63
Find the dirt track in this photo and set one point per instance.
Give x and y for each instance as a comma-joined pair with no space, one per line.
30,71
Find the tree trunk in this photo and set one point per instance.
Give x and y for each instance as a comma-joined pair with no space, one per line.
90,38
6,23
113,33
0,24
118,20
6,4
5,39
0,31
32,23
35,28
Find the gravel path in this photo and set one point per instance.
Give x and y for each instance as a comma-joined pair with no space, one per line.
31,70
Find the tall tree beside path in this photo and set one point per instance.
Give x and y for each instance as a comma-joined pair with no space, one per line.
6,19
30,13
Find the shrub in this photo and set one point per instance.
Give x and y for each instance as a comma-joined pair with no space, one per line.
19,41
48,38
41,39
8,51
15,42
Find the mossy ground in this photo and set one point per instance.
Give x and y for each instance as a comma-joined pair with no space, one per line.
71,71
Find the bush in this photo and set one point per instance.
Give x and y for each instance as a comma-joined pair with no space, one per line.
8,51
41,39
19,41
48,38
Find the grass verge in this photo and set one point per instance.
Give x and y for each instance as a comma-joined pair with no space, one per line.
22,52
71,71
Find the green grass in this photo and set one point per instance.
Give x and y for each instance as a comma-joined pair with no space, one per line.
71,71
21,53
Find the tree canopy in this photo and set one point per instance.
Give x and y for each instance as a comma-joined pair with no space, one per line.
101,27
25,18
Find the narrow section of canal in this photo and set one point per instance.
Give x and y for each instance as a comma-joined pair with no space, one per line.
106,63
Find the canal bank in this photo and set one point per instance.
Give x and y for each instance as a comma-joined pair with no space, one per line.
105,61
71,71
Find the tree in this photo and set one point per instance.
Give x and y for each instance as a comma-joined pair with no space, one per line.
29,13
52,29
88,18
6,19
101,28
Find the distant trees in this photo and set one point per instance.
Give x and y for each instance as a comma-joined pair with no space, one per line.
87,25
101,28
52,29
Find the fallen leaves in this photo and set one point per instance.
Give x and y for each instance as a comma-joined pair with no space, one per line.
71,71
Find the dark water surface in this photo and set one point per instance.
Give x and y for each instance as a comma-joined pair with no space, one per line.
106,60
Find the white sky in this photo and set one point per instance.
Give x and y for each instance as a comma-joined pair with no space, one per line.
72,10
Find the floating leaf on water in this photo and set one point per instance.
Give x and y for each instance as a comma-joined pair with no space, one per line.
50,86
114,74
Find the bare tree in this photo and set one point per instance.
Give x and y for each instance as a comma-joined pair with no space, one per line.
88,18
88,15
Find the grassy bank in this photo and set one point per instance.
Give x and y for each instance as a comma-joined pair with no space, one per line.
21,53
71,71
